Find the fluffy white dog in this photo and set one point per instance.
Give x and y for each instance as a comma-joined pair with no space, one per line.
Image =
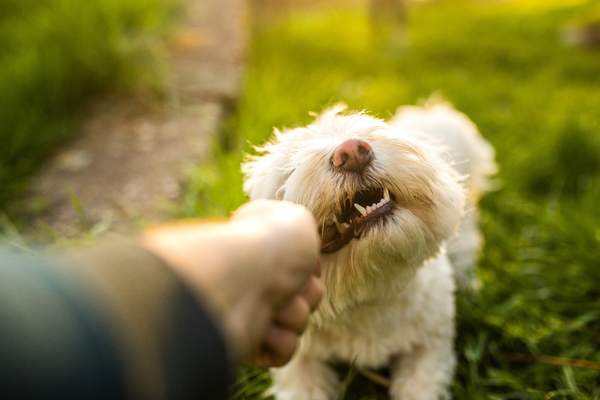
387,197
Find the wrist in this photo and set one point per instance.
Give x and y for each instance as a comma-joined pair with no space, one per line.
201,255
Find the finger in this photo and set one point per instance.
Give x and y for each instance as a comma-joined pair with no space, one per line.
281,345
313,292
264,358
282,211
294,316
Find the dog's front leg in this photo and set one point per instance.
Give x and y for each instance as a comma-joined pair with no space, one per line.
304,378
425,373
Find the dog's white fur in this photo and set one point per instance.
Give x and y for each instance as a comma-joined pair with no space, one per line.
389,295
472,157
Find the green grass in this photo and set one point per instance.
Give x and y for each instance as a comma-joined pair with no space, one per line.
58,54
537,101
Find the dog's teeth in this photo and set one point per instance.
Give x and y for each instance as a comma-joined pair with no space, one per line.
374,206
360,209
386,194
345,225
337,224
369,209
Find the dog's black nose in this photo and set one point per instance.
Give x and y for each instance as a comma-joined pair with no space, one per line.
353,155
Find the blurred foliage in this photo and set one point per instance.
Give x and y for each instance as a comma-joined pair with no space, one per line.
536,100
590,13
55,55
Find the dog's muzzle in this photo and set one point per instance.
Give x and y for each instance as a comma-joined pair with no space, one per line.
365,210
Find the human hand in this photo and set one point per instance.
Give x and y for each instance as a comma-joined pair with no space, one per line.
258,272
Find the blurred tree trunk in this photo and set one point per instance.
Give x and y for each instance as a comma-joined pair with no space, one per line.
587,35
388,19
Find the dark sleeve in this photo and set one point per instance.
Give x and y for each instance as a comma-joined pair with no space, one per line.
111,322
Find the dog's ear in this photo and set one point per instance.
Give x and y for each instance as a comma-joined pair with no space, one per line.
265,173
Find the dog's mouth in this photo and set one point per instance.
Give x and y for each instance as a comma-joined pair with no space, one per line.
366,209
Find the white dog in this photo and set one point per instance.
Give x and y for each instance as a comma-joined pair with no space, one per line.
387,199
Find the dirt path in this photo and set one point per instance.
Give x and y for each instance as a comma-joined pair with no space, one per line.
132,154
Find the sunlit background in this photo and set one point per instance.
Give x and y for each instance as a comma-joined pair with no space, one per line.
527,73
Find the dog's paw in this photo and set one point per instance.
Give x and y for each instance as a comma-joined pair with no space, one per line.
308,393
304,379
417,392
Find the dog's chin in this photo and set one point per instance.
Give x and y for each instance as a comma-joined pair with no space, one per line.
366,211
375,228
377,265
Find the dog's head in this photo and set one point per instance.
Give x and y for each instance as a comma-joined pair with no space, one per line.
384,200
